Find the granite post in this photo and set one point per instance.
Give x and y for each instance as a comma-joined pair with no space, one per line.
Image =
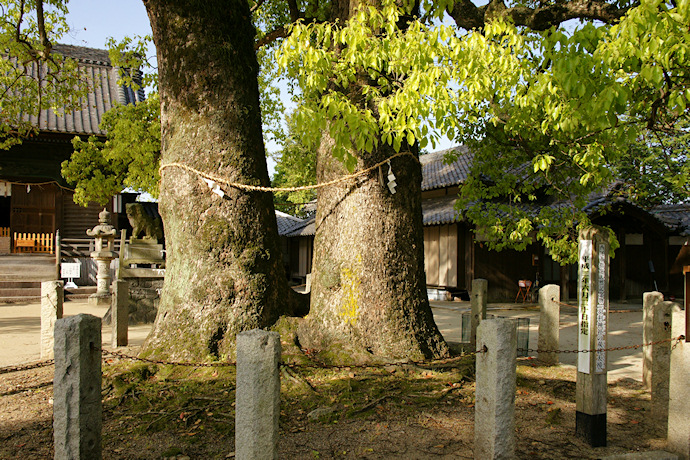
549,323
649,300
52,298
478,302
679,391
593,299
77,409
494,410
119,317
257,407
661,359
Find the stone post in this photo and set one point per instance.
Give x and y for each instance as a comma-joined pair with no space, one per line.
478,304
679,391
257,399
119,317
77,410
661,359
649,300
593,299
52,298
549,323
494,409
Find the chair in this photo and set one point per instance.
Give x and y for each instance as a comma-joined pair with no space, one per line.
523,289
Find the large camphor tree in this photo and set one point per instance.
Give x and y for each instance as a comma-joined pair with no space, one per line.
224,267
376,81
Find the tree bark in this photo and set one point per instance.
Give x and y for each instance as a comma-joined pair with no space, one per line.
224,263
368,283
369,286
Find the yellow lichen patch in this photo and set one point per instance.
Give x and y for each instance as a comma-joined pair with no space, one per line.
350,282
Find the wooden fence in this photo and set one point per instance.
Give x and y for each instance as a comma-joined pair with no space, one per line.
4,232
34,243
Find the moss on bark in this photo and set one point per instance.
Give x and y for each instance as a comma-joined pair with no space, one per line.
224,268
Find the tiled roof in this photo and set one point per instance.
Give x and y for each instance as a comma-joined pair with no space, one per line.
436,173
102,77
308,228
441,210
287,223
675,217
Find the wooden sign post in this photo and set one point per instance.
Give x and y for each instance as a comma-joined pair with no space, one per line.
593,300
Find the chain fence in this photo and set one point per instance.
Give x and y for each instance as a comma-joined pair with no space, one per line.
321,365
564,304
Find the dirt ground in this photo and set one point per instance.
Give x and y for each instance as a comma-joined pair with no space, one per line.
409,412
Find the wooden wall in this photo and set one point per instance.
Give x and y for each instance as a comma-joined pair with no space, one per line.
441,256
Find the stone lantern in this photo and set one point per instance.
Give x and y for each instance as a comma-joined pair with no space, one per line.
104,234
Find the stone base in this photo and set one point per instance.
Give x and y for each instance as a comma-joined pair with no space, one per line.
591,428
96,300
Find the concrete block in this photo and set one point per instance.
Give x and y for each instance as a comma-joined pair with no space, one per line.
52,298
549,323
494,413
77,409
679,392
257,408
478,301
120,313
649,300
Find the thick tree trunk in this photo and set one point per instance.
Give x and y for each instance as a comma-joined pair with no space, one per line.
369,286
224,265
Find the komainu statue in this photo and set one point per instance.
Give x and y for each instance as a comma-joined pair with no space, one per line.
142,222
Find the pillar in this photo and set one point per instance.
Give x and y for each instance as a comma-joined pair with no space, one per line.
257,408
52,298
649,300
77,409
679,391
549,323
478,302
119,317
593,300
494,409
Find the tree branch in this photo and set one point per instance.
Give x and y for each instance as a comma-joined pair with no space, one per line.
469,16
275,34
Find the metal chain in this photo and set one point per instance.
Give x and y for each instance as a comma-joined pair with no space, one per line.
563,304
26,367
431,362
164,362
321,365
599,350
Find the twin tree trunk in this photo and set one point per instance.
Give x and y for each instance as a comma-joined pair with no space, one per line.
224,267
224,263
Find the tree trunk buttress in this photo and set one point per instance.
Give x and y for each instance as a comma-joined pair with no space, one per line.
368,283
224,262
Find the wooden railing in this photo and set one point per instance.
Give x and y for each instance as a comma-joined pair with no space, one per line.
81,247
4,232
34,243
